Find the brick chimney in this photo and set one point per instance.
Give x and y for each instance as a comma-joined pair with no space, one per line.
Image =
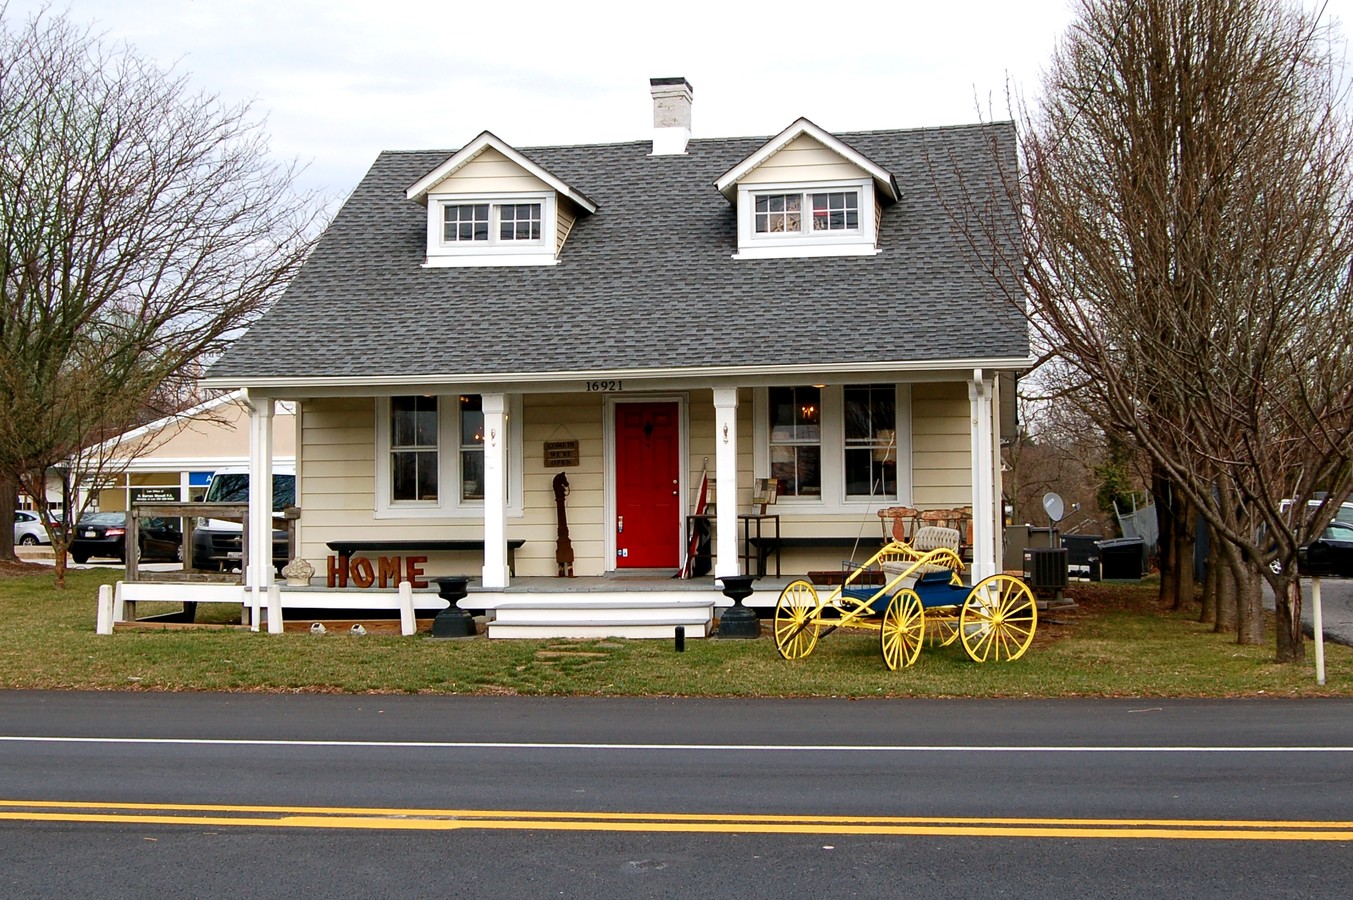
671,115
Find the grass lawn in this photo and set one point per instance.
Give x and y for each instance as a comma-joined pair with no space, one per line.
1114,643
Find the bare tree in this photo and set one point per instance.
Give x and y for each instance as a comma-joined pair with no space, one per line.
143,225
1185,182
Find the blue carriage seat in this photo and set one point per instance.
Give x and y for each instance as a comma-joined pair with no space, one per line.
926,539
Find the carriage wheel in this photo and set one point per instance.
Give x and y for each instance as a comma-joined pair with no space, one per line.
902,630
796,620
998,619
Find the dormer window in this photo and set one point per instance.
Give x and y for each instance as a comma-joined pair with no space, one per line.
491,223
834,211
831,219
488,205
806,193
492,230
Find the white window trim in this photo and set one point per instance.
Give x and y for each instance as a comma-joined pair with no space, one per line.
860,242
833,443
492,252
449,504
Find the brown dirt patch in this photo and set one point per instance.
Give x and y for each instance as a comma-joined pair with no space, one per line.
12,568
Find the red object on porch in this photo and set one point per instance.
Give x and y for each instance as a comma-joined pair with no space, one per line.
701,501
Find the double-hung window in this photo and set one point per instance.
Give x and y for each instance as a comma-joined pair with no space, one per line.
414,450
471,447
870,454
796,440
430,456
836,447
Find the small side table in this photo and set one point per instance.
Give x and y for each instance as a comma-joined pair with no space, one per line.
752,524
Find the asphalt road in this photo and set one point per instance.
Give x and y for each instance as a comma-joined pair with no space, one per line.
124,794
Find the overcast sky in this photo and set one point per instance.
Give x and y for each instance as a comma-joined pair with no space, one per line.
340,80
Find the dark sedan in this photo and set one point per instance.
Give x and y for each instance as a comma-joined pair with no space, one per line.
1329,554
104,535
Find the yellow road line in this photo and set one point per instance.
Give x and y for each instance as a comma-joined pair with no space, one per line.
457,819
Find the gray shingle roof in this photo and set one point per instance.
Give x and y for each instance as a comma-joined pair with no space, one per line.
647,282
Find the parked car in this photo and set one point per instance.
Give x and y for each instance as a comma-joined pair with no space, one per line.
29,529
1329,554
104,535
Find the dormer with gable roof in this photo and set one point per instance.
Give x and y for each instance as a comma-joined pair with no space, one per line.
807,193
489,205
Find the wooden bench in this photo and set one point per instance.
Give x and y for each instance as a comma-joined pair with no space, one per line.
767,545
346,549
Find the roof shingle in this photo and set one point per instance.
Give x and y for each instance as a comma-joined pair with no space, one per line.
648,281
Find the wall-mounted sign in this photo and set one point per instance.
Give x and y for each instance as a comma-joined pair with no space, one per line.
155,495
561,453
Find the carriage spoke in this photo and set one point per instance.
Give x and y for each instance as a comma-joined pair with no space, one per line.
998,619
902,630
796,620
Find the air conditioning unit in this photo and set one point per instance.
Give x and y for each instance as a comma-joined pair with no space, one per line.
1045,569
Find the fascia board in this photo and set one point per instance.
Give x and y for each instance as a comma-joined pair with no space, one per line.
728,182
419,190
567,381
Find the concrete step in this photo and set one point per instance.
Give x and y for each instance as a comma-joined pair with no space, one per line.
621,615
638,631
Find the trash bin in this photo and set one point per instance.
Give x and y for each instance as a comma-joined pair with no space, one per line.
1122,558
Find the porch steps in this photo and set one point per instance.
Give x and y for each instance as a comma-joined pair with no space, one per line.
653,615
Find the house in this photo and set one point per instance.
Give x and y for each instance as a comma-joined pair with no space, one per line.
800,307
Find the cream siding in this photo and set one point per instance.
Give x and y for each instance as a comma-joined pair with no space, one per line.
941,446
561,417
803,160
490,173
566,219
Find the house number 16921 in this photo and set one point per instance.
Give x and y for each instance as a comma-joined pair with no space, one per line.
605,385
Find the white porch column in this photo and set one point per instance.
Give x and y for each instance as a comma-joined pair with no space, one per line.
726,481
495,491
980,392
259,575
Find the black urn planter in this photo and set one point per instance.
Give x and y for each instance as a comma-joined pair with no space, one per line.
738,621
453,621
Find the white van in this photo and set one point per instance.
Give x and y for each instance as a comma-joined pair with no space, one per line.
216,542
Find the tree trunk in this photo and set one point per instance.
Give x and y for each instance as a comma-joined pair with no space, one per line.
9,492
1249,604
1227,606
1209,610
1291,639
1166,515
1185,535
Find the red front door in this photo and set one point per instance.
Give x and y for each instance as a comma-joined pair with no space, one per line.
648,514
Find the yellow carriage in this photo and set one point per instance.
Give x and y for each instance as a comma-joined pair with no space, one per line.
921,595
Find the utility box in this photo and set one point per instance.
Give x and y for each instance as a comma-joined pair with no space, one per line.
1082,555
1122,558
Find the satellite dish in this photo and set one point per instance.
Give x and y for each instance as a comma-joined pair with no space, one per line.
1052,503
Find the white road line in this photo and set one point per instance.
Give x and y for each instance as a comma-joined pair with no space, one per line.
720,748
